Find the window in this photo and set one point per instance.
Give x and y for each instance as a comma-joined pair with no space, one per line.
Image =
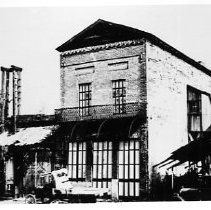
194,110
102,164
103,160
84,99
129,168
119,96
77,160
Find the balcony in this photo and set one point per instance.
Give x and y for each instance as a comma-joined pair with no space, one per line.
98,112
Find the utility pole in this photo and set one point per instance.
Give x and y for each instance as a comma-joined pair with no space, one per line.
16,81
16,73
11,76
16,93
4,94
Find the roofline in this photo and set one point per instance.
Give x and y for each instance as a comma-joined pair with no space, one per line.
163,45
97,48
78,34
154,40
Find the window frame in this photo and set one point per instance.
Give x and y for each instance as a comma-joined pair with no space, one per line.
194,108
84,101
130,152
119,96
102,160
78,152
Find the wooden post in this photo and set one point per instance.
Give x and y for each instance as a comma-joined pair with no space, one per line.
115,171
16,71
6,110
14,100
89,159
172,179
18,92
35,169
15,86
3,96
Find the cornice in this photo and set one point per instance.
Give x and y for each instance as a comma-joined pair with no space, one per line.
103,47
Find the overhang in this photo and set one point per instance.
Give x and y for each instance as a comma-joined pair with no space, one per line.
194,151
124,127
27,136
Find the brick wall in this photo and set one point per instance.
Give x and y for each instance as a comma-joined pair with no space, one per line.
167,80
144,158
95,67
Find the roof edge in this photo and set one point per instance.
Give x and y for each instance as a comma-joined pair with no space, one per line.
59,49
149,37
163,45
103,47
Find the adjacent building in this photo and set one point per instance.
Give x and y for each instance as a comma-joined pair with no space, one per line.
30,154
128,99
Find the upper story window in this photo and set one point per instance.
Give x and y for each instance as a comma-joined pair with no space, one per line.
84,99
119,96
194,109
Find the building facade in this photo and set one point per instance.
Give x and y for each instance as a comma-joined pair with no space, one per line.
128,100
29,155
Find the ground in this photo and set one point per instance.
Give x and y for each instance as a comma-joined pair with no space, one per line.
10,200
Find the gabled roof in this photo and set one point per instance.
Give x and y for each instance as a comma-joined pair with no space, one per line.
103,32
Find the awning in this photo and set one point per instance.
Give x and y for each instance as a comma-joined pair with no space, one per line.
194,151
124,126
27,136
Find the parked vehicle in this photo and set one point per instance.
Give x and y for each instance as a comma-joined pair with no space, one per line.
61,190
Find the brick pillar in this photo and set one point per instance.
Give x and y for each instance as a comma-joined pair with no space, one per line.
115,180
144,175
89,158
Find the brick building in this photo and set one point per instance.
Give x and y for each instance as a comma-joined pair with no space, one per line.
128,100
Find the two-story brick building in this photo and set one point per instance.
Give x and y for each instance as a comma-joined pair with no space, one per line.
128,100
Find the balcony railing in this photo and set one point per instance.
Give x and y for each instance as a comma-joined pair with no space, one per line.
97,112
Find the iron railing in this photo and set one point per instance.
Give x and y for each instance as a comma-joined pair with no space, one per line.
97,112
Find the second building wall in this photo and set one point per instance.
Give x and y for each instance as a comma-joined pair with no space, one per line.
167,81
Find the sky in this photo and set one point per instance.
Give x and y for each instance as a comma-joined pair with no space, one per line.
30,35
